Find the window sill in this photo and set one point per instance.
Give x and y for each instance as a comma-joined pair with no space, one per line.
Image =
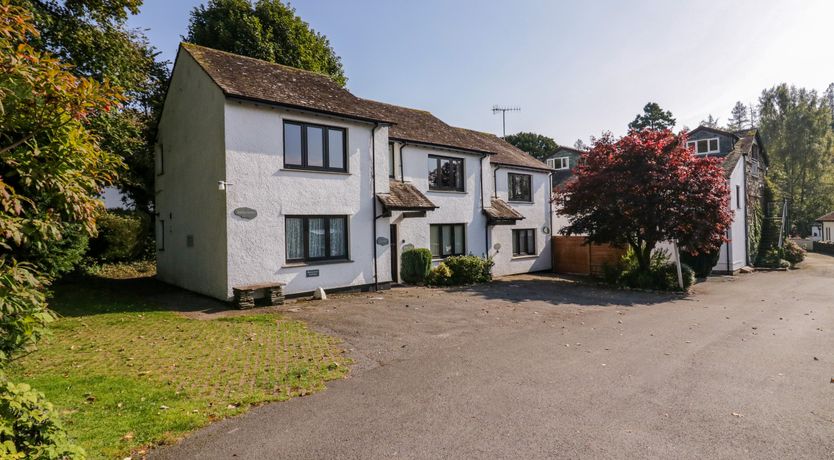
531,256
521,202
458,192
314,263
317,171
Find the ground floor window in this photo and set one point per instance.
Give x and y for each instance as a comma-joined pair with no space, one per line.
524,242
311,238
448,240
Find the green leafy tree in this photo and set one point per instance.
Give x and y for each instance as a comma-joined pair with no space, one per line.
51,170
796,128
268,30
537,145
653,117
739,117
92,36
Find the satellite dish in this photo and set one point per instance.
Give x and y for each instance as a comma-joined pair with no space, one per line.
496,246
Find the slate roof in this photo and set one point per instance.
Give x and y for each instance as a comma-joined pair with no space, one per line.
504,152
257,80
499,210
827,218
405,197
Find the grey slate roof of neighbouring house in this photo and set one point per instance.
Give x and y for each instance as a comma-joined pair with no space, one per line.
261,81
827,218
405,197
744,140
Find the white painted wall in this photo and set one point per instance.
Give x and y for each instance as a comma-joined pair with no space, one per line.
536,216
453,207
254,157
737,246
190,156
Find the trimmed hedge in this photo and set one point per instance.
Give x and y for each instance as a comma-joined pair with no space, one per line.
415,265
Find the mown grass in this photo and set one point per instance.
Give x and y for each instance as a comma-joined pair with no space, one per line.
127,374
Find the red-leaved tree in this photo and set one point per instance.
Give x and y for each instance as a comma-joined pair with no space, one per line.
645,188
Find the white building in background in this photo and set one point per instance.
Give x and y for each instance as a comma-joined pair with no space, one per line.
266,173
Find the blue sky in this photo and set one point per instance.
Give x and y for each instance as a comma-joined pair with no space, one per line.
575,68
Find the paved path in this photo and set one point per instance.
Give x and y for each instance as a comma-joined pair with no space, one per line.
530,367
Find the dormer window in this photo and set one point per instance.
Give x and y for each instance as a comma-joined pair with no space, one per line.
559,163
704,146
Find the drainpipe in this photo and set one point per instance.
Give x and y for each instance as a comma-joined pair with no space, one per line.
486,224
373,222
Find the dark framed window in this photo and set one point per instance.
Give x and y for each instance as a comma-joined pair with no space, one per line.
738,196
520,187
447,240
314,147
524,242
391,170
445,173
311,238
160,242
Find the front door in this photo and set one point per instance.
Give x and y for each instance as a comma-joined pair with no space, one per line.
394,245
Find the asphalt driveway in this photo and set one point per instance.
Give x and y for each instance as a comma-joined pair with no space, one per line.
532,367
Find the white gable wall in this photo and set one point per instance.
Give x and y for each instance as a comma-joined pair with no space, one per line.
737,247
536,216
257,247
190,208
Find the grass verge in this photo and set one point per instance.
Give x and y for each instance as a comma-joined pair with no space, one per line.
126,374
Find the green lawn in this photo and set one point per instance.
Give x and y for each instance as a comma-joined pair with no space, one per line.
127,374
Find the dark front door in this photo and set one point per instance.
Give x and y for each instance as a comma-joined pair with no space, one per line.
394,245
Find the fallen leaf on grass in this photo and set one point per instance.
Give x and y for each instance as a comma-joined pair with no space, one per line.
736,414
128,437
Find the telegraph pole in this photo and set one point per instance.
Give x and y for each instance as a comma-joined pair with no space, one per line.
504,110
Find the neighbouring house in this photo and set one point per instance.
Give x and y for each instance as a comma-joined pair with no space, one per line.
745,165
271,174
563,160
826,227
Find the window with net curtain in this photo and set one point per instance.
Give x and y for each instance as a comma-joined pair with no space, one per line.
311,238
447,240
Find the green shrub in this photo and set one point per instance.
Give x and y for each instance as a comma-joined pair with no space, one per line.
441,275
415,265
662,274
469,269
29,427
793,253
122,237
702,264
772,258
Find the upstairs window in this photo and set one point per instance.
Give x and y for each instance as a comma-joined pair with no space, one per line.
520,187
445,173
314,147
704,146
559,163
391,163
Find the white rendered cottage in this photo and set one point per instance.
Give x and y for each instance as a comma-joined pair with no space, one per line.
266,173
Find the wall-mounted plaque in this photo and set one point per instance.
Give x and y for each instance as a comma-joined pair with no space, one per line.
246,213
312,273
382,241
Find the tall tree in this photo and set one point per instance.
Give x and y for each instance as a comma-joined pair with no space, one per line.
829,96
537,145
93,37
796,128
645,188
51,170
739,117
268,30
580,145
653,117
710,122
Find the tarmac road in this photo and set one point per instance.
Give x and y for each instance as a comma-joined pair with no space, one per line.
535,367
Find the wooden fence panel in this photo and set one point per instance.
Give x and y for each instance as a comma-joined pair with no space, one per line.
573,256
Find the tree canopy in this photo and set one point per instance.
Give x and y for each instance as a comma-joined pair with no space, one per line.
739,117
710,122
537,145
653,117
645,188
268,30
796,127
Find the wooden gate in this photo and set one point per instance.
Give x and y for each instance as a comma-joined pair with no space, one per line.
573,256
